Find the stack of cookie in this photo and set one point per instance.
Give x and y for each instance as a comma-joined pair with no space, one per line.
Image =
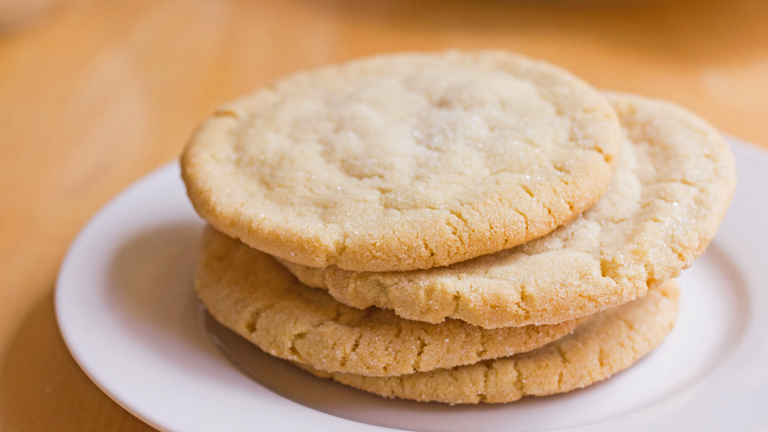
458,227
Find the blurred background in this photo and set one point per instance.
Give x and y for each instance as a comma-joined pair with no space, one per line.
96,93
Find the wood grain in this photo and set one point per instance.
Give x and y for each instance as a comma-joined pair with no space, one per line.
94,94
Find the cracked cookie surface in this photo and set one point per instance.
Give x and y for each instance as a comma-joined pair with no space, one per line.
670,191
404,162
249,292
603,345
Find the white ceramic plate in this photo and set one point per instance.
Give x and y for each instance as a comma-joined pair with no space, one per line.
126,307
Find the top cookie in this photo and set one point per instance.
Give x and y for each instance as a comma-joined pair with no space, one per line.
671,188
405,161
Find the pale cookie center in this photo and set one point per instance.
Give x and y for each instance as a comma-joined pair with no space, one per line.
425,139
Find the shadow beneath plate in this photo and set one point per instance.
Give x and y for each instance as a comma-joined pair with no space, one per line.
50,391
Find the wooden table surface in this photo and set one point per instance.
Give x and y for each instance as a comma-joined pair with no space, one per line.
95,94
